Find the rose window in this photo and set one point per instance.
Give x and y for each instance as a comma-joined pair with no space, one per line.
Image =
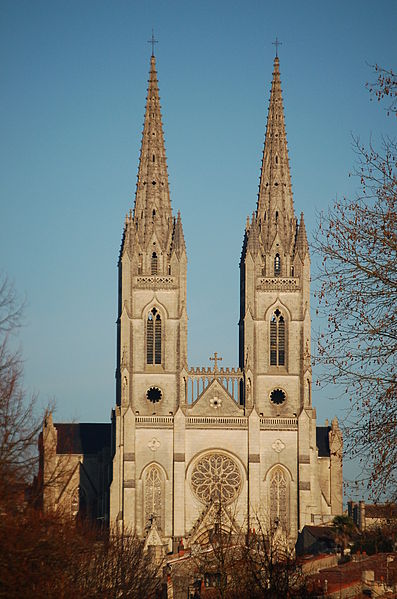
216,477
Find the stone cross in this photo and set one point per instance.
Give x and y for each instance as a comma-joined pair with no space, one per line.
216,359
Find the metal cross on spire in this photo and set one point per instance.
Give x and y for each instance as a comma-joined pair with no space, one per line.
277,44
152,41
216,359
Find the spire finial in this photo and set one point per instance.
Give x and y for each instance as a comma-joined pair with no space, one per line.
152,41
277,44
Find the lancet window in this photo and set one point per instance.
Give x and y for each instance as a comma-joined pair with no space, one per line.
153,497
277,264
154,263
277,339
153,337
279,497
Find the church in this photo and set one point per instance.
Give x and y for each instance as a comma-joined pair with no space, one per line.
187,440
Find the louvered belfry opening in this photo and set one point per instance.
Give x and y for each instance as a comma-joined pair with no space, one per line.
277,265
277,339
153,337
154,264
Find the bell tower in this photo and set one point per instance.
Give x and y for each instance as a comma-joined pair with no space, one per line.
152,318
275,282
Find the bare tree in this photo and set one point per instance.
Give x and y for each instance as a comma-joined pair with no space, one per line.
385,88
236,563
45,555
19,422
358,240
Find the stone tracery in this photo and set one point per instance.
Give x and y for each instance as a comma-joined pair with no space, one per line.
154,496
216,477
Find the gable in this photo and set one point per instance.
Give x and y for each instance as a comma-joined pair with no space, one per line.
215,401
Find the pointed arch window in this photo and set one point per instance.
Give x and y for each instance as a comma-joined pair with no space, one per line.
279,497
153,337
154,264
277,339
277,264
153,497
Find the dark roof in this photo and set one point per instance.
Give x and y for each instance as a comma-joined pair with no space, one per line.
83,437
385,510
320,532
322,441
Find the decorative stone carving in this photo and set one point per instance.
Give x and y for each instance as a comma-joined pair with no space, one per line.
279,499
154,444
215,402
278,446
153,496
216,477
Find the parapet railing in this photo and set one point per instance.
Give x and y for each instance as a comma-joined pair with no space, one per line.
279,423
158,421
158,281
277,283
217,421
198,379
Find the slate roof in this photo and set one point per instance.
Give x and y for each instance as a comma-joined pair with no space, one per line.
385,510
83,437
322,441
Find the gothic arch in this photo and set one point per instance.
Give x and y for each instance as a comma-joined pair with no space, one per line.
278,495
278,338
269,471
154,338
158,465
153,489
281,306
155,303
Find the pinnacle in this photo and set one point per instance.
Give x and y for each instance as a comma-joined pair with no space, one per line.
178,244
302,245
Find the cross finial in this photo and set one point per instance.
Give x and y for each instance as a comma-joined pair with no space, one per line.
152,41
216,359
277,44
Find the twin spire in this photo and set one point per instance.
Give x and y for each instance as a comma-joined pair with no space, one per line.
275,211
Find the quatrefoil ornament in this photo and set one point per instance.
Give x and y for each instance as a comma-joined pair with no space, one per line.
278,446
154,444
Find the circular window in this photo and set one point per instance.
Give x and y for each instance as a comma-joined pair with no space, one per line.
277,396
216,477
154,394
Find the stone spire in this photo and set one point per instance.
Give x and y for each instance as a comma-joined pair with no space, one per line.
178,241
301,244
152,210
275,210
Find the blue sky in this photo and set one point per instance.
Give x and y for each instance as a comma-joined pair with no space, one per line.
73,76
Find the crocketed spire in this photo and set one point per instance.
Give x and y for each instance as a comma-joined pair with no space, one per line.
275,210
152,210
178,241
301,245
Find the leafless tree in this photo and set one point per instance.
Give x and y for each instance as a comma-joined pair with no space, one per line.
20,422
238,563
358,240
385,88
45,555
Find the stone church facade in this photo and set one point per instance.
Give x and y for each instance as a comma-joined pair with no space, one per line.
186,439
